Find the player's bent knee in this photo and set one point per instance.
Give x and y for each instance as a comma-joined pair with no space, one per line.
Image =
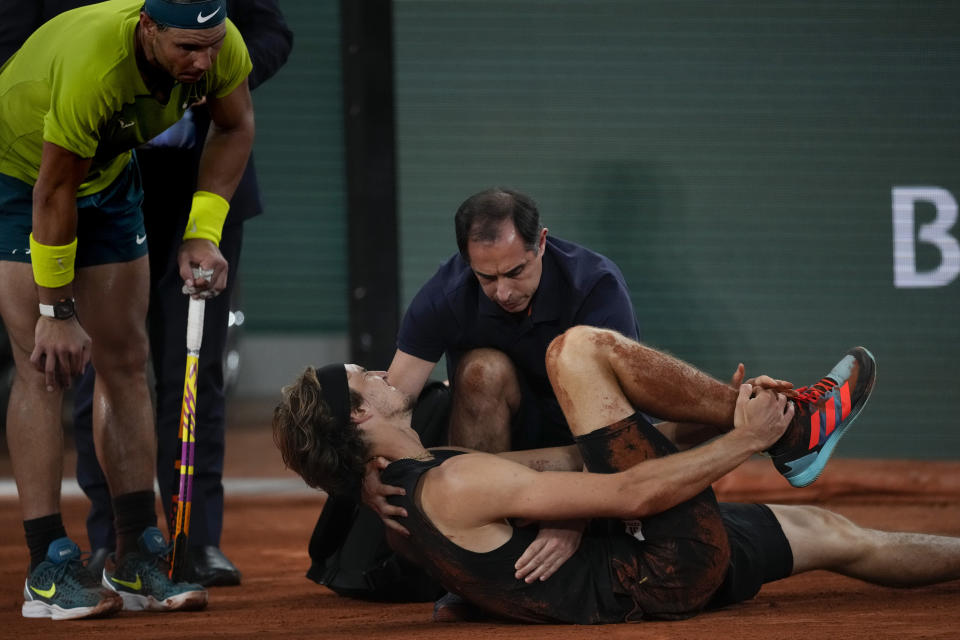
573,348
485,371
131,361
28,380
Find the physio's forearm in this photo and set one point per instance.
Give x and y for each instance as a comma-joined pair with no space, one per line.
409,373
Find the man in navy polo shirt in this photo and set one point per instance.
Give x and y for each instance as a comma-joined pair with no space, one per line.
493,309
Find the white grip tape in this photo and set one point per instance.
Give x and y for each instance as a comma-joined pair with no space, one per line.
195,325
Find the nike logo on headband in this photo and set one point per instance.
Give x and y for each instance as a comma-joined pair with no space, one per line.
202,18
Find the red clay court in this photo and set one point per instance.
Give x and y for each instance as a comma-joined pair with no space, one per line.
269,521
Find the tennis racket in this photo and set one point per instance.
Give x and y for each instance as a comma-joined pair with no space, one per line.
188,424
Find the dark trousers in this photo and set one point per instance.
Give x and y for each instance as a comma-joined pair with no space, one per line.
168,187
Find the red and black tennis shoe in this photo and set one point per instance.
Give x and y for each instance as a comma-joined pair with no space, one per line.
823,413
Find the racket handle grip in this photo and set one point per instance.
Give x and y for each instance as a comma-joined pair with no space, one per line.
195,325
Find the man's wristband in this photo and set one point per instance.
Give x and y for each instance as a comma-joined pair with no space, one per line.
52,265
207,215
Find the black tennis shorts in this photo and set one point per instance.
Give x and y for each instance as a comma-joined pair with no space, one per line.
673,572
759,552
680,551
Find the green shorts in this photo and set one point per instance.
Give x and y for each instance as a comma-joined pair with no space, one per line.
109,223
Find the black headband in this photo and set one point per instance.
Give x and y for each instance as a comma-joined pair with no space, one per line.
336,391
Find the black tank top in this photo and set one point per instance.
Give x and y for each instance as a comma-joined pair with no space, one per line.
583,591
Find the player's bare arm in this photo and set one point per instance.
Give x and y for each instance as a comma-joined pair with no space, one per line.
546,459
228,143
375,493
468,497
61,347
556,540
224,158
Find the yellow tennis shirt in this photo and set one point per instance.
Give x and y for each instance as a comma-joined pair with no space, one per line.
75,83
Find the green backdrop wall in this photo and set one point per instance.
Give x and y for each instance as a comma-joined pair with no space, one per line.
294,264
737,159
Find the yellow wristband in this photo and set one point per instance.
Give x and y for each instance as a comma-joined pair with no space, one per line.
52,266
206,217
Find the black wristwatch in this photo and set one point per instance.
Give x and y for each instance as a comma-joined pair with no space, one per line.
62,309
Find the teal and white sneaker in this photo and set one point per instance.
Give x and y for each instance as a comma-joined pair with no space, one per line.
61,588
142,579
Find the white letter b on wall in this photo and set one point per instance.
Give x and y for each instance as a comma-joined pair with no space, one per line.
905,274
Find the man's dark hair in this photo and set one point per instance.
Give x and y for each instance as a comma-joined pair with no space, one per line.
480,216
327,454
